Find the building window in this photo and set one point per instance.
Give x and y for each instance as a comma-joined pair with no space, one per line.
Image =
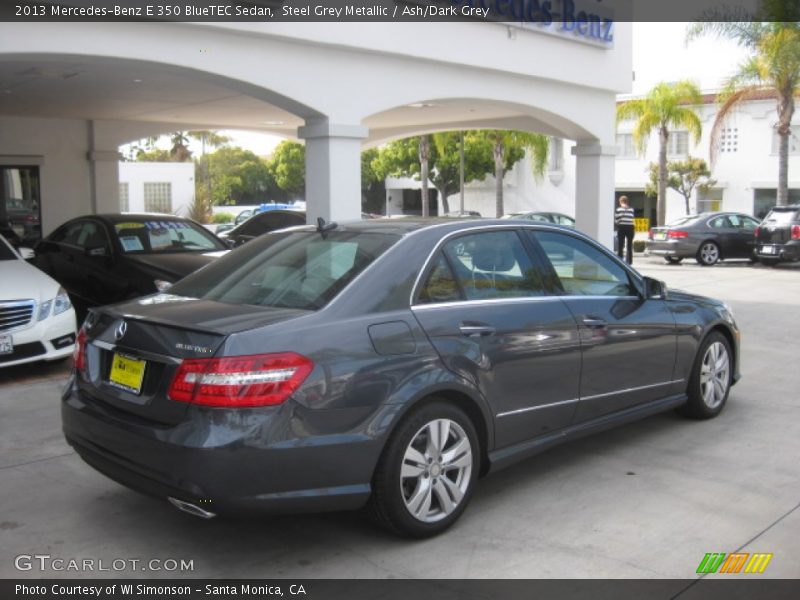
556,154
678,144
124,196
158,197
20,210
794,140
625,145
764,200
710,201
728,139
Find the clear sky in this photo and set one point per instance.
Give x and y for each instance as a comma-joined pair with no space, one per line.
660,53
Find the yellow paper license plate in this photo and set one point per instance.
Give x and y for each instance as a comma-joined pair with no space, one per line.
127,373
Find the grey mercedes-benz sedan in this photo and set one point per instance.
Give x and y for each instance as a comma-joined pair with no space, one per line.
384,363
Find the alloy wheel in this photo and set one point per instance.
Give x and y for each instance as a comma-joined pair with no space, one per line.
709,253
714,375
436,470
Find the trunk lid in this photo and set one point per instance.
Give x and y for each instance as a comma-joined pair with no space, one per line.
154,334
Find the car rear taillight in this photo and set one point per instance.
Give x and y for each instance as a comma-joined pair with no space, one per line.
796,232
79,355
677,234
240,381
649,234
756,231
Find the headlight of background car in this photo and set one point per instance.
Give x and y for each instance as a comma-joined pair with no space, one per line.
161,285
61,302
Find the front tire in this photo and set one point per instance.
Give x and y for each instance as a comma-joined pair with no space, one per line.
711,378
708,254
427,473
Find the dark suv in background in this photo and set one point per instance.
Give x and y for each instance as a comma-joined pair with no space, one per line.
778,236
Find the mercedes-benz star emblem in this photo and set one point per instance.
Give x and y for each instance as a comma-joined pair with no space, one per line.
119,332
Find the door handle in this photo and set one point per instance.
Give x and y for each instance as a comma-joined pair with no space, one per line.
476,329
594,323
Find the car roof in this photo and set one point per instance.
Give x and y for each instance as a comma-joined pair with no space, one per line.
122,217
787,207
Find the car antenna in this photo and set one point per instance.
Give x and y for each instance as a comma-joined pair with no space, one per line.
323,227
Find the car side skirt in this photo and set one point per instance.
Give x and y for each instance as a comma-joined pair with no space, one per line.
504,457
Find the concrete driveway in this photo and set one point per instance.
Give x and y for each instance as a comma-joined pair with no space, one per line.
648,500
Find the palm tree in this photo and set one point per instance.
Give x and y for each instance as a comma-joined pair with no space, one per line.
508,148
667,105
424,161
772,70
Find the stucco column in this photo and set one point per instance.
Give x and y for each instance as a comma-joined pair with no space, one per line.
594,190
333,170
103,172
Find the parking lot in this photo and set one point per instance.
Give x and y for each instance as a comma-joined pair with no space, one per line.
647,500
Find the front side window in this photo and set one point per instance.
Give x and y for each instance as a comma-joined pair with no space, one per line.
582,269
301,270
493,265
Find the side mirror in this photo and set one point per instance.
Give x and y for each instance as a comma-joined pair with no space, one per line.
655,289
26,253
96,251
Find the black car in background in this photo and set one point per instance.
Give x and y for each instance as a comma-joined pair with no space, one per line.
384,362
707,237
101,259
262,223
778,237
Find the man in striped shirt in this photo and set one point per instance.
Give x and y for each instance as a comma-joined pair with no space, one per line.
623,220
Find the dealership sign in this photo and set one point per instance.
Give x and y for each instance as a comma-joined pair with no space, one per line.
587,21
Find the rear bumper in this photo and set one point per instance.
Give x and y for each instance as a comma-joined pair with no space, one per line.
673,248
787,251
220,465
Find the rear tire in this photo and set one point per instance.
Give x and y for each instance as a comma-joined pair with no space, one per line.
708,254
711,378
427,472
673,260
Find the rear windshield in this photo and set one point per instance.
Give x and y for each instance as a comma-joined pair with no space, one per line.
299,269
781,217
684,221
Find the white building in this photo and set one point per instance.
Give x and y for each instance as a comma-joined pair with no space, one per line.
746,169
166,187
71,93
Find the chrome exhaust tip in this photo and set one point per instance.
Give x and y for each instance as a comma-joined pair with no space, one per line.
191,509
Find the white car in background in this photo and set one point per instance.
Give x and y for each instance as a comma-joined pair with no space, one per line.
37,321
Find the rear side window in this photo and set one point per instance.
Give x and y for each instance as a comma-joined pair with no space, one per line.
441,285
491,265
582,269
301,270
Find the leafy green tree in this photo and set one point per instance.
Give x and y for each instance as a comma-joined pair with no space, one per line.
400,158
683,176
772,68
373,188
667,105
180,150
288,167
153,155
237,176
